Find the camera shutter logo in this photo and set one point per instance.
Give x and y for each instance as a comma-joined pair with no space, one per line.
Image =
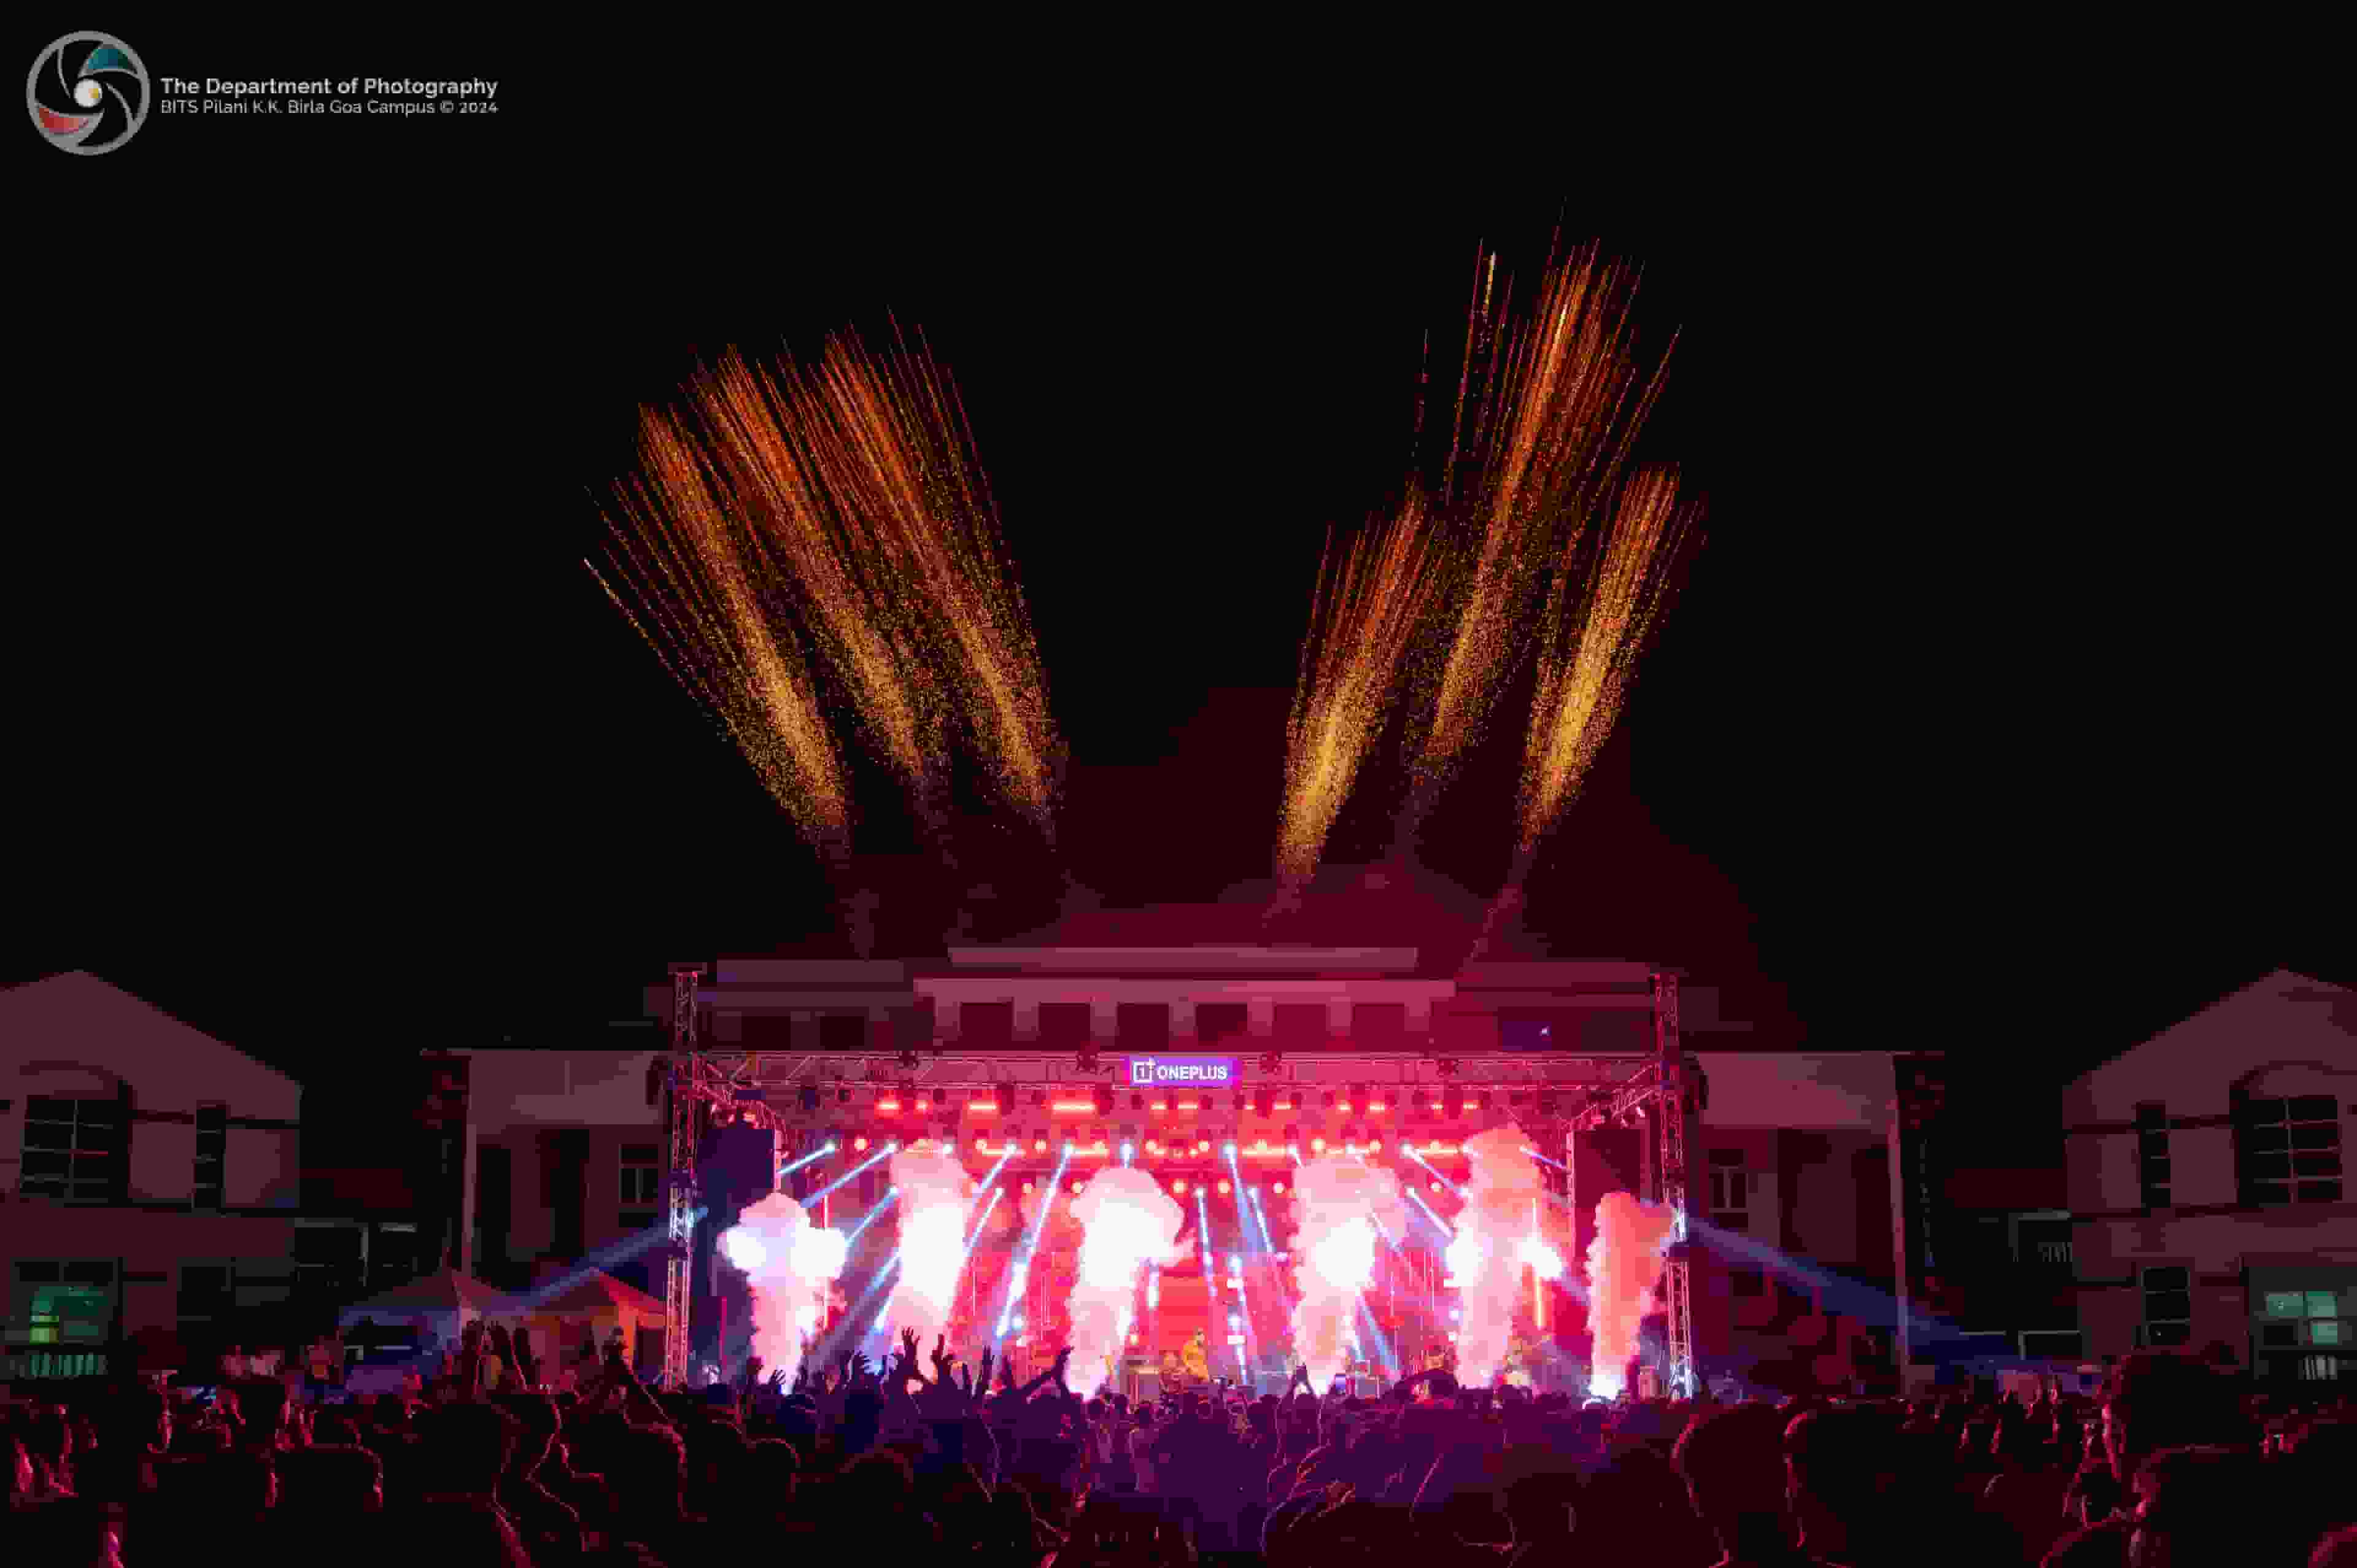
1141,1072
87,94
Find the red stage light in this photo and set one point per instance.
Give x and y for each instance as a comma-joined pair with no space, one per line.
1039,1145
1376,1147
1280,1188
1076,1184
1027,1187
1152,1147
1317,1145
1435,1185
858,1142
1178,1186
1203,1146
1223,1187
922,1106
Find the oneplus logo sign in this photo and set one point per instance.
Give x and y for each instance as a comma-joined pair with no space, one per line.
1198,1072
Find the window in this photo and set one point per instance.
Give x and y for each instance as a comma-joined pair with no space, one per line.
2324,1331
2046,1244
1379,1023
843,1031
2168,1307
1142,1025
1730,1190
1065,1025
1217,1021
987,1026
68,1302
2287,1304
642,1185
2279,1335
72,1148
2152,1153
1299,1023
2288,1150
213,1154
208,1291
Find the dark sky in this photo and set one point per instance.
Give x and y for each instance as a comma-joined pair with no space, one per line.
1990,716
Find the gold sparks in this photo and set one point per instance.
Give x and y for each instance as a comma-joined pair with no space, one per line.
1370,600
691,574
1592,641
1551,425
842,498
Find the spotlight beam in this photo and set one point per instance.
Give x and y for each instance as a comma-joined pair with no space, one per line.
1021,1275
871,1216
884,1153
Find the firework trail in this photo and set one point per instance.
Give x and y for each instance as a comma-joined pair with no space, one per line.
688,586
1370,599
790,1265
1542,428
1597,620
898,455
1624,1262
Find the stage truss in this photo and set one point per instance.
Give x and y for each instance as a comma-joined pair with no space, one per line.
1657,1090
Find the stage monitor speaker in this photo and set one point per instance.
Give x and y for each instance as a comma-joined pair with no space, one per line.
1147,1389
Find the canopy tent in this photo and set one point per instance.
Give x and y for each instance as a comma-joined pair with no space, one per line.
569,1310
441,1297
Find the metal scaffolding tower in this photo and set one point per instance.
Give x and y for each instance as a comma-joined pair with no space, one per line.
1677,1283
684,1099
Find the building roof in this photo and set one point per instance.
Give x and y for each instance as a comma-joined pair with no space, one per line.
71,1010
596,1293
2303,1015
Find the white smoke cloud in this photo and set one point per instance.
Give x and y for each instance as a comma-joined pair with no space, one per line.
1126,1222
789,1265
1505,1224
1624,1263
935,1194
1342,1207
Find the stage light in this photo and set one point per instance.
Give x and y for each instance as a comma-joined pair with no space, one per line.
1358,1098
1376,1106
1179,1185
1039,1145
1133,1341
1204,1146
1137,1102
1279,1188
1230,1152
1076,1184
983,1145
1027,1187
1153,1146
1376,1147
1265,1103
1104,1100
1223,1187
1329,1099
887,1105
860,1143
923,1107
1006,1100
1317,1145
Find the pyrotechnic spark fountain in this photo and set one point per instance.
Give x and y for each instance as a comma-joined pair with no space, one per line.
1337,1203
1128,1222
1624,1262
698,608
1594,631
1020,1276
789,1265
1552,423
1371,598
935,1191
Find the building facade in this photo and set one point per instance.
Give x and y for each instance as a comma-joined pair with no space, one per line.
149,1180
2207,1201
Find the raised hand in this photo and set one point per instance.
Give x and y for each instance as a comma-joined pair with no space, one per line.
1063,1368
941,1357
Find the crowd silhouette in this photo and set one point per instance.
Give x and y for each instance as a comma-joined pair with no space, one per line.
484,1467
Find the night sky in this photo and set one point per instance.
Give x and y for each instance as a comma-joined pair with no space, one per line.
1991,715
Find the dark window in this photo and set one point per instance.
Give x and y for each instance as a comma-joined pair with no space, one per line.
843,1032
213,1154
2279,1335
73,1147
1379,1023
641,1175
207,1291
1299,1023
987,1026
1730,1190
1142,1025
2167,1306
1217,1021
1065,1026
2152,1153
2288,1150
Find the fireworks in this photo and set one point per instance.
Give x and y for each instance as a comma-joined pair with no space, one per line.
843,499
1581,684
1540,434
1369,604
692,571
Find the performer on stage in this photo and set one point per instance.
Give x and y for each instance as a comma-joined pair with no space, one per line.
1199,1358
1174,1376
1441,1358
1522,1364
